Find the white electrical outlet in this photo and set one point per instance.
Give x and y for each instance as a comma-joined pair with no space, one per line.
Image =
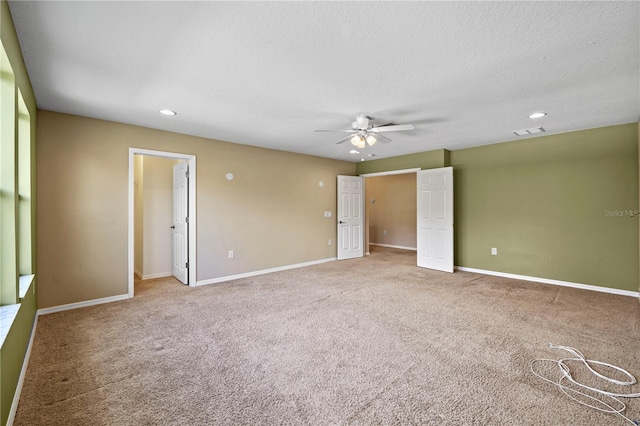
327,214
329,242
384,232
230,254
494,251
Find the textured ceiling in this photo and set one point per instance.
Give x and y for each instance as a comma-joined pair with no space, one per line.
268,73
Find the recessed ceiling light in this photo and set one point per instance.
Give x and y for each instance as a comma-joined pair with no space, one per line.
362,159
168,112
537,114
353,151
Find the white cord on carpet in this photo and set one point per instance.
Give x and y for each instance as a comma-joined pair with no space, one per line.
566,376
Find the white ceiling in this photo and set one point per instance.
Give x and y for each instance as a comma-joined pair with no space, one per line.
268,73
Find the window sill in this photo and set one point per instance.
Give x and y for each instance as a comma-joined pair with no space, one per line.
25,283
8,314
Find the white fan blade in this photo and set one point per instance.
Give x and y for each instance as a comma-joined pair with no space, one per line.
393,128
323,130
343,140
382,139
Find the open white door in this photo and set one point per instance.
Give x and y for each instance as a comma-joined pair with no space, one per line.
181,221
350,217
435,219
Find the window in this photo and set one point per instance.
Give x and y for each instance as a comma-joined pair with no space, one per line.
25,218
16,188
8,183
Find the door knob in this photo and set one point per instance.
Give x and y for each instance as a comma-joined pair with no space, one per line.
173,227
341,222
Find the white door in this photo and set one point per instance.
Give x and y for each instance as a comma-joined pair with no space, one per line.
350,217
435,219
181,221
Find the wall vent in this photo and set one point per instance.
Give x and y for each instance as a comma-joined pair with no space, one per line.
531,131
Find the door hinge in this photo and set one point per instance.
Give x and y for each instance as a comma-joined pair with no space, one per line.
186,219
186,174
186,265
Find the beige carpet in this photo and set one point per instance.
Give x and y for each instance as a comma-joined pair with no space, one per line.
366,341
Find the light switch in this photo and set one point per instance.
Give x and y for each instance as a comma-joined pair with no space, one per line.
327,214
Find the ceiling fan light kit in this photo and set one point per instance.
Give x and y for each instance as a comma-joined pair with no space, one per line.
358,140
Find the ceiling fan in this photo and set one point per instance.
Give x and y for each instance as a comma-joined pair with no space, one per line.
364,132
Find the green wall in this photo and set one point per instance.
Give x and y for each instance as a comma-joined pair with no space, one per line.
13,350
557,207
551,206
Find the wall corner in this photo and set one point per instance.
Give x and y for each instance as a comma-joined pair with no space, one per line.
446,158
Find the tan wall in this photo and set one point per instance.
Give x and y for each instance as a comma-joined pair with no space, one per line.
394,209
271,214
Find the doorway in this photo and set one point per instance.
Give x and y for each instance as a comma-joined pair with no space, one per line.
390,209
420,207
189,161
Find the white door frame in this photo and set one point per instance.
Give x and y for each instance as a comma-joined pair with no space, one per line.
191,159
391,172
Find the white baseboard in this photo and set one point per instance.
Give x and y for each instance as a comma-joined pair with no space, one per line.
152,276
392,246
263,271
23,372
137,274
553,282
84,304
